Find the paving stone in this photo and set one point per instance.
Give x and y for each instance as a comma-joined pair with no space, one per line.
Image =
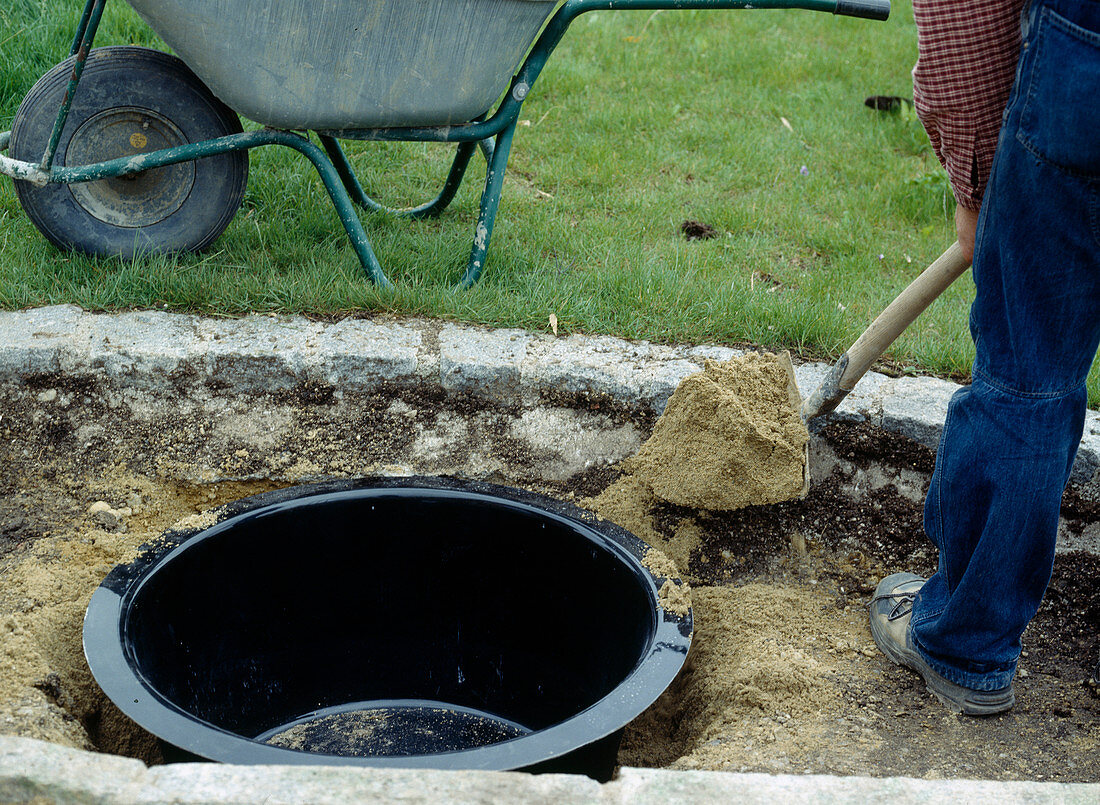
144,347
484,362
33,341
917,406
357,353
659,787
580,365
36,772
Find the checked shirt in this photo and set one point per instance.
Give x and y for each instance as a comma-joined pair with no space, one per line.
968,51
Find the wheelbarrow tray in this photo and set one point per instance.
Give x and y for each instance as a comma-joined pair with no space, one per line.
350,64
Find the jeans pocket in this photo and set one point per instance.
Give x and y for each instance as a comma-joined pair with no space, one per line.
1060,118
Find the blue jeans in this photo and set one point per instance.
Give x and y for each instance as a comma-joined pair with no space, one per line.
1011,437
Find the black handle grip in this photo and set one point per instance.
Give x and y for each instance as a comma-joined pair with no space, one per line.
868,9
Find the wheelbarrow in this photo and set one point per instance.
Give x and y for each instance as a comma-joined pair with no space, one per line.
126,150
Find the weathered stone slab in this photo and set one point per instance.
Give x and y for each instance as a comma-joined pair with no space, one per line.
37,772
157,351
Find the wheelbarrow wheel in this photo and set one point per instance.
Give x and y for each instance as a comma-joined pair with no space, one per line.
130,101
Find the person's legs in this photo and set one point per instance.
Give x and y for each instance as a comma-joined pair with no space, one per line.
1010,438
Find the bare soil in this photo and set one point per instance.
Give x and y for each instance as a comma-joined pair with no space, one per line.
783,675
789,584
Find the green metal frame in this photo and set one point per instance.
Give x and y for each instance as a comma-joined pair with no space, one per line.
491,135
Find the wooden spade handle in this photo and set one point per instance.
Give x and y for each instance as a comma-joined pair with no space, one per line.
884,330
900,313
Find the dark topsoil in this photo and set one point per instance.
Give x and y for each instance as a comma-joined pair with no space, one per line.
1054,729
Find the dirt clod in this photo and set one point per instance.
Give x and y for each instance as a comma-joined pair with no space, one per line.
697,230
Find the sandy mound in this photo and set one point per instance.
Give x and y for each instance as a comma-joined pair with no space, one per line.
730,437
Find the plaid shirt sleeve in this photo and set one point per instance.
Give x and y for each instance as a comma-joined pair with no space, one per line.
967,54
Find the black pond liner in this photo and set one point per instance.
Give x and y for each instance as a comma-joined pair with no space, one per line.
417,622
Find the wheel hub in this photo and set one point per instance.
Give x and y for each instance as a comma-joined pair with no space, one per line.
139,199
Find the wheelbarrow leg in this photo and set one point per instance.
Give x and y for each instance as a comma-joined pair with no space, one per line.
331,178
450,187
486,146
497,157
86,31
82,26
429,210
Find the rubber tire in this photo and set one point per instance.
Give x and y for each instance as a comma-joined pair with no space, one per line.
129,78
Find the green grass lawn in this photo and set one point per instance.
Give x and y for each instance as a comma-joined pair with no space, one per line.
751,122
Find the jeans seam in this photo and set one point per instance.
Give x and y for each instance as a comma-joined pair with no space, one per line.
938,477
1025,109
916,620
1070,27
1027,395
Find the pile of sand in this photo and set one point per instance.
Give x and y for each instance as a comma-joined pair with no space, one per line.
766,659
731,436
46,689
46,590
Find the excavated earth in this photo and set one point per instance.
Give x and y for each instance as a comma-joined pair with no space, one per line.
783,675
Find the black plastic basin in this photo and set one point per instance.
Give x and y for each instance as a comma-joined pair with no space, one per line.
408,623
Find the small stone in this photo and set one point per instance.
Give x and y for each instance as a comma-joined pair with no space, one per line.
396,470
108,520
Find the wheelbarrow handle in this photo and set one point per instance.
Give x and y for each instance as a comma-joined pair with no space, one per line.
868,9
